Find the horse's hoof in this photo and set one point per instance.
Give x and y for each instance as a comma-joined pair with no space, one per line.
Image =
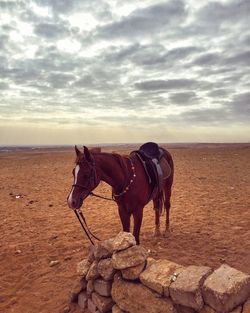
157,233
166,233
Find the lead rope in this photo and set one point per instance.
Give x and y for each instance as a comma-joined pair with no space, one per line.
84,225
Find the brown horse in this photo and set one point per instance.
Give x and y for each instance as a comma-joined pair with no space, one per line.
130,186
95,150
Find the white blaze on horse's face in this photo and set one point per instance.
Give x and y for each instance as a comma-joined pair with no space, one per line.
70,198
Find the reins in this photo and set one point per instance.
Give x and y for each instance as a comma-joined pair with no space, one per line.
84,225
101,197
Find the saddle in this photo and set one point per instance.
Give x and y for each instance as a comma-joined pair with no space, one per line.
155,164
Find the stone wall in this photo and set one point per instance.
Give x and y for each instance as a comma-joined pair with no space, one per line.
119,276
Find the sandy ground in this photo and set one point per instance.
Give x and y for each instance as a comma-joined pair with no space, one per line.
210,221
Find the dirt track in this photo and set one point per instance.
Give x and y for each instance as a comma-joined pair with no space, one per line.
210,220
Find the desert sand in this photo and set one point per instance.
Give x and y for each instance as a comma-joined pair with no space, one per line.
210,220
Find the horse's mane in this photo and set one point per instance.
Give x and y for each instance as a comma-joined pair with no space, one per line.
121,159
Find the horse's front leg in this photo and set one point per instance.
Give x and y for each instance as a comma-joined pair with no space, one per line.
125,218
137,215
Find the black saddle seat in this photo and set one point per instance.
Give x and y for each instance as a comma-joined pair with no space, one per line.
150,150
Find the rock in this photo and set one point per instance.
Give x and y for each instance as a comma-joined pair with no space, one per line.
116,309
82,300
53,263
92,307
90,287
105,269
207,309
237,310
83,282
103,287
53,237
246,307
136,298
83,267
79,285
91,256
159,275
183,309
66,309
92,272
150,261
134,272
103,249
186,289
123,241
128,258
103,304
226,288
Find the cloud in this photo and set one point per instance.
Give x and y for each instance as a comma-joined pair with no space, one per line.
9,5
172,84
164,84
242,58
218,93
145,21
4,86
177,62
202,117
240,105
207,59
184,98
51,30
222,12
60,6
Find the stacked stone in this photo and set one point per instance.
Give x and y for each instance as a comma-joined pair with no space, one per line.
96,273
119,277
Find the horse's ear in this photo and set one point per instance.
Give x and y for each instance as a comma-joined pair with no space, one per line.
88,155
77,151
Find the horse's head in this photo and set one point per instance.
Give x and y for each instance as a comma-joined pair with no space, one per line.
85,178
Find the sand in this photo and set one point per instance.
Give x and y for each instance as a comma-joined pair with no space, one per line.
210,220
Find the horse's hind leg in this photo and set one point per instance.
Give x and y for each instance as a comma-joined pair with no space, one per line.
157,232
167,205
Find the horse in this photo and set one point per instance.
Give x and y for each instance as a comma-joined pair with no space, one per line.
95,150
131,189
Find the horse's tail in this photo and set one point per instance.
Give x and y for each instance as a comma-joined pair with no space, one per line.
160,199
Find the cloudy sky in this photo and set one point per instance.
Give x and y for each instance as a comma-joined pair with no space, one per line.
95,71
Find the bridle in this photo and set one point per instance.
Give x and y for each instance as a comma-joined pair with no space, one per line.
92,183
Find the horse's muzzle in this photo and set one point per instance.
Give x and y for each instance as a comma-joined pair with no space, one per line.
75,203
